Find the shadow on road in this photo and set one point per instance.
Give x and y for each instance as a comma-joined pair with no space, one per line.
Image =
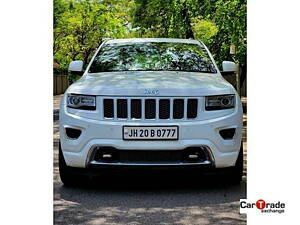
163,199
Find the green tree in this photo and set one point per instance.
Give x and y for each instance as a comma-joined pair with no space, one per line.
82,26
204,30
217,23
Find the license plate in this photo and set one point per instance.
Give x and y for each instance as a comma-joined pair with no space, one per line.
150,133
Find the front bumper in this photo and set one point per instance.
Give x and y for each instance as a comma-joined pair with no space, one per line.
78,152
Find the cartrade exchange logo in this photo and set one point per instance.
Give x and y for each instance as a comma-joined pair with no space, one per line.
261,206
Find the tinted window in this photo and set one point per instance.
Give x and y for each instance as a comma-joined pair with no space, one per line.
152,56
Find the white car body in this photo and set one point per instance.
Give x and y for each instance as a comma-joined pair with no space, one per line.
202,131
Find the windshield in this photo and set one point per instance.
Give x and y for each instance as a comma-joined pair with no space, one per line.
152,56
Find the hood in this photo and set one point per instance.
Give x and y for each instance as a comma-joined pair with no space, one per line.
156,83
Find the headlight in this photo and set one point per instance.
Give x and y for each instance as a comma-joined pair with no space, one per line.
219,102
81,102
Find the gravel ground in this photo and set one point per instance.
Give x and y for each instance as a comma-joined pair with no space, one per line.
157,199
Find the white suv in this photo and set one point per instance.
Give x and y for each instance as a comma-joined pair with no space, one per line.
150,103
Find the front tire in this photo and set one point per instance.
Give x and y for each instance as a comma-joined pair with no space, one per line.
237,171
65,172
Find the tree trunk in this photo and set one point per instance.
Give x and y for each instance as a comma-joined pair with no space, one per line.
187,22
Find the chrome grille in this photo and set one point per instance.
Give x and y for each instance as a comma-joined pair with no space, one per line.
150,108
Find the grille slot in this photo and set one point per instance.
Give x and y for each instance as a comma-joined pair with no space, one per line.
136,108
108,106
192,106
122,108
200,154
164,109
178,108
150,156
150,109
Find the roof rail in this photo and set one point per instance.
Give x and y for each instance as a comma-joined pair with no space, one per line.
107,39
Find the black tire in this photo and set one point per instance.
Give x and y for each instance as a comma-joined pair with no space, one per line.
237,171
65,172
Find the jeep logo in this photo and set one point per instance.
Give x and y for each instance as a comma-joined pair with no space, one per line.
151,92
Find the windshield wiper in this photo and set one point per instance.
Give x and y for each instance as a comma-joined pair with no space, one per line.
194,71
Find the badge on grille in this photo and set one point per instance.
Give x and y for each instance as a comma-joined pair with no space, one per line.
151,92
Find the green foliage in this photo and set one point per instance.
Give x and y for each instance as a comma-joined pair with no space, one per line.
218,23
81,25
230,17
59,70
204,30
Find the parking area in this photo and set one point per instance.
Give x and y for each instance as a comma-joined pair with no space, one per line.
157,199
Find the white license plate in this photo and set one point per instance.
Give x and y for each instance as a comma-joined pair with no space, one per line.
150,133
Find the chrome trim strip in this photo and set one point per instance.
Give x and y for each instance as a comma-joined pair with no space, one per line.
91,154
171,108
115,108
157,108
143,109
185,108
129,108
93,162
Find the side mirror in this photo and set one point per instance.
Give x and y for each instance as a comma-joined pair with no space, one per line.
228,68
76,67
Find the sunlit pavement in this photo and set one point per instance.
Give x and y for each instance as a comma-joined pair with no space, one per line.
153,200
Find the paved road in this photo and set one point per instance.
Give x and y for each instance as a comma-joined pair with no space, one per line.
153,200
